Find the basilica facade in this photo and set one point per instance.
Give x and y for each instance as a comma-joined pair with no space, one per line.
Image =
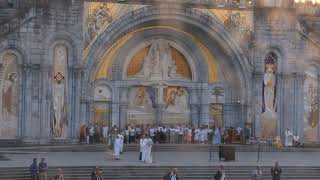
65,64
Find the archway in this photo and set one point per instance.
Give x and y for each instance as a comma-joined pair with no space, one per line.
209,39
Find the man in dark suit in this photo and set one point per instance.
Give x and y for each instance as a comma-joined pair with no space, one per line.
172,175
220,175
276,171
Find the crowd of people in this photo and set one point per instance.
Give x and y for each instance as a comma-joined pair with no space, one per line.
178,134
39,171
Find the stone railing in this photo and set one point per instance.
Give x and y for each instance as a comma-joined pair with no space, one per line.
24,16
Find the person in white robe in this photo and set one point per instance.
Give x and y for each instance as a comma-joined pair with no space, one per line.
121,139
105,133
146,154
117,148
202,136
141,143
289,137
205,134
197,135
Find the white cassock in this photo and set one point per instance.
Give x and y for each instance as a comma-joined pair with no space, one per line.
105,132
117,148
197,135
205,131
141,148
202,135
146,153
121,142
288,140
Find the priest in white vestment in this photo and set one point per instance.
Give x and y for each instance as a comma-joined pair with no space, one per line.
141,147
202,135
117,148
146,153
289,138
121,139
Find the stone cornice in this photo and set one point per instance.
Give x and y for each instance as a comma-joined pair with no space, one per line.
243,5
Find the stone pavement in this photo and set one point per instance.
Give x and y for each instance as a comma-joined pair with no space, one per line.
24,159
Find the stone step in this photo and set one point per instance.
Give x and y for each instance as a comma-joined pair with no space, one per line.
157,172
156,147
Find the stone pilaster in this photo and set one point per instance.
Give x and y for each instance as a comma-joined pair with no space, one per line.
195,115
91,111
83,112
159,113
299,104
194,107
257,95
123,107
318,106
21,89
115,114
75,100
45,103
27,102
204,108
281,99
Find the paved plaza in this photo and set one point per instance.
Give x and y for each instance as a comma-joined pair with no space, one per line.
23,159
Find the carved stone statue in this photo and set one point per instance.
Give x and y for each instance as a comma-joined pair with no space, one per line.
158,64
269,115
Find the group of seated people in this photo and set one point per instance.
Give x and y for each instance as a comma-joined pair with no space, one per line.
178,134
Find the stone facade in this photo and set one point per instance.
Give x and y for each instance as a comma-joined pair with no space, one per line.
97,86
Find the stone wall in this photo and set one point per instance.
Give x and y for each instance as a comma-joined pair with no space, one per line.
61,22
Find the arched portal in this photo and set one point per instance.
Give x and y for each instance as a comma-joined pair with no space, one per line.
208,51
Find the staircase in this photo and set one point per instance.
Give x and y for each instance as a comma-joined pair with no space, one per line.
157,172
156,147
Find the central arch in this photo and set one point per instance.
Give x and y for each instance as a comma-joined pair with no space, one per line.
206,29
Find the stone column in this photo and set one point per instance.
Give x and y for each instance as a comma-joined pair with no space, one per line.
76,89
257,95
299,105
115,113
318,89
27,103
204,108
21,89
279,100
159,113
91,111
282,87
194,107
83,112
45,104
123,107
